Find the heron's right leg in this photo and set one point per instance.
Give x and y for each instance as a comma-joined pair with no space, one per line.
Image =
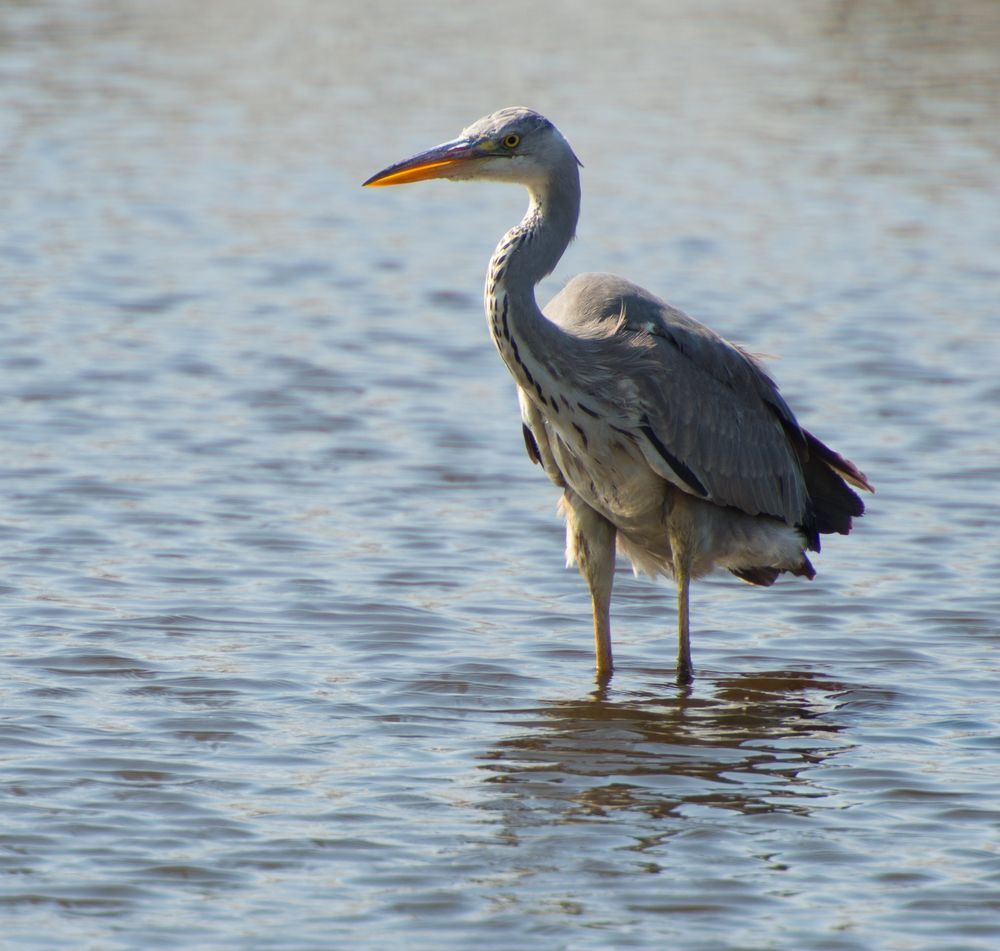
682,532
590,544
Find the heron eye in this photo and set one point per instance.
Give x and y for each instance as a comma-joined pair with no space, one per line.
511,141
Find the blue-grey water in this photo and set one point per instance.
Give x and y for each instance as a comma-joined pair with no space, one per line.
290,659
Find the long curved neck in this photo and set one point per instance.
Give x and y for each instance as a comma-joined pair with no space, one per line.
526,254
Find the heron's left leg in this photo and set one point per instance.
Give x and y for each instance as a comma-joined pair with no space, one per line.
590,544
685,671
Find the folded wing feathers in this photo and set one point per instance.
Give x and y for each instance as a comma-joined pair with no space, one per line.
705,413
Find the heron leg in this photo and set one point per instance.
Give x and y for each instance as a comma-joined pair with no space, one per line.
685,671
590,544
682,535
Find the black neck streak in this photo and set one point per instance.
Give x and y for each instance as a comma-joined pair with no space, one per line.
528,342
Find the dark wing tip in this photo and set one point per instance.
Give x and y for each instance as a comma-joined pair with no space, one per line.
833,505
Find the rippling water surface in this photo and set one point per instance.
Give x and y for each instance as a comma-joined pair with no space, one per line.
290,660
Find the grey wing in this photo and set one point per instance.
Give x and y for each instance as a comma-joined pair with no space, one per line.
706,417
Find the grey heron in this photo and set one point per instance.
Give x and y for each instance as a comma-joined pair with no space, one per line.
671,445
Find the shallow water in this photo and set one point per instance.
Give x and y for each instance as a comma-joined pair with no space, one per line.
290,658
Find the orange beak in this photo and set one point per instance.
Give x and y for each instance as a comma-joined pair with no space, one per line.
434,163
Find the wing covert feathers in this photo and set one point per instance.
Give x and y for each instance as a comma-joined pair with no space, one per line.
706,415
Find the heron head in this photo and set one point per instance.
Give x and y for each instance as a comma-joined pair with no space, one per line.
512,145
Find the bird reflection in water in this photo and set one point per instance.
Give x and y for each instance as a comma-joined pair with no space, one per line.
744,748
